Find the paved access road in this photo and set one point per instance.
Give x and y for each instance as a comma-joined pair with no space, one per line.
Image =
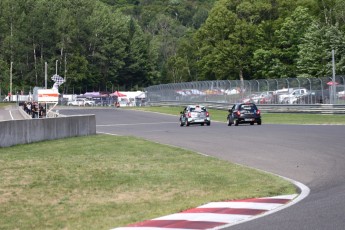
311,154
10,112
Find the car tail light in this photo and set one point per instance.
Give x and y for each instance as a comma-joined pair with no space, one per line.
258,112
207,114
238,113
189,114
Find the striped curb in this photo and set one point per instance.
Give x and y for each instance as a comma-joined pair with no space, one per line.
214,215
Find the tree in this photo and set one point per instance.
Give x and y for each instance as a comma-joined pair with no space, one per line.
289,36
78,73
210,41
266,64
108,43
98,33
315,55
228,38
135,43
136,62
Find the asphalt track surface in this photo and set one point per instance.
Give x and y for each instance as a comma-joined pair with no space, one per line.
10,113
311,154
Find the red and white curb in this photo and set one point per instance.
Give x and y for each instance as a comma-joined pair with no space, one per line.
214,215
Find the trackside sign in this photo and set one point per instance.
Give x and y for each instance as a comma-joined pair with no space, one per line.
48,95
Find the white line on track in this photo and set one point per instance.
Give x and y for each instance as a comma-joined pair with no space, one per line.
112,134
150,228
11,115
153,131
156,123
304,193
214,217
263,206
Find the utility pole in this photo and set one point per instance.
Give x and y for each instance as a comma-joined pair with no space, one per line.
45,74
333,80
10,98
56,66
65,73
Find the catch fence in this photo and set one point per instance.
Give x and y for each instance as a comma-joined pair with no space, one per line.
264,91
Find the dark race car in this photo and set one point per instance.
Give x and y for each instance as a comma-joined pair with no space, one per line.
244,113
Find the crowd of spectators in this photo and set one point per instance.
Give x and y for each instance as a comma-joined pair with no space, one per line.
34,109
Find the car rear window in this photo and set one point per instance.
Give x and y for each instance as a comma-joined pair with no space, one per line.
197,109
249,107
200,109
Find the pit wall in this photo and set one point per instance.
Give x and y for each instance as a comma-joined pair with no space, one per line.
15,132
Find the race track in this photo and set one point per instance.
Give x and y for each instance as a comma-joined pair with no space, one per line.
311,154
10,112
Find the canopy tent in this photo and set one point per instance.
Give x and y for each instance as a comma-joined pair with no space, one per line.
141,95
94,94
330,83
118,94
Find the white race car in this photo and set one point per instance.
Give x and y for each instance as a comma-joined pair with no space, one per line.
195,114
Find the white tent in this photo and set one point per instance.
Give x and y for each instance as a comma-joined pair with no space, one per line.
141,95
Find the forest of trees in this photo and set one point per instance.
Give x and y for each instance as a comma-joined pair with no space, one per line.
105,45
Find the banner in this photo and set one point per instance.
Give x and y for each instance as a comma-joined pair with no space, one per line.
48,95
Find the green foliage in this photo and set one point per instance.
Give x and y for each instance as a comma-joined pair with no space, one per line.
315,55
137,43
230,37
266,63
289,37
126,43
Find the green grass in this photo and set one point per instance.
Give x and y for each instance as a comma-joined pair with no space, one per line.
3,105
304,119
102,182
267,118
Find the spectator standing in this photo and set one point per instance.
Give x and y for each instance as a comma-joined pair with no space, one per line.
34,110
25,107
28,107
42,110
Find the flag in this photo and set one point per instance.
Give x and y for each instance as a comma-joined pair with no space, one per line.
58,79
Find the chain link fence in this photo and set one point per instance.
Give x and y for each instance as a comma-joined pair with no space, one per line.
263,91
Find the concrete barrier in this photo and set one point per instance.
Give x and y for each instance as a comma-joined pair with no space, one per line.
15,132
23,113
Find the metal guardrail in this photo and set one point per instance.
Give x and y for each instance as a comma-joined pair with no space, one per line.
268,108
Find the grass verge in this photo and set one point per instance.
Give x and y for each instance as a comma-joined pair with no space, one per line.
3,105
102,182
267,118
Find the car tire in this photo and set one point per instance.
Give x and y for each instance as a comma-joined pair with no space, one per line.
202,124
236,122
259,122
181,123
208,123
229,122
251,123
186,122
